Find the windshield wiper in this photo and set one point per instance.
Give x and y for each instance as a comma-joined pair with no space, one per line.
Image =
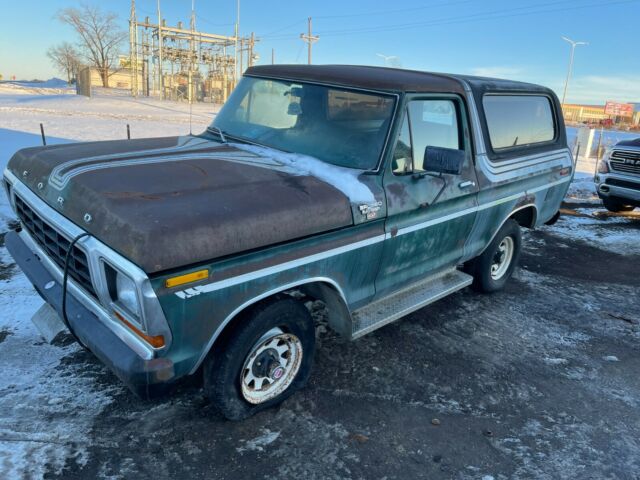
213,128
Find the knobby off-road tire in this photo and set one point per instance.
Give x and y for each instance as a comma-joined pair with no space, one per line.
263,361
615,205
493,268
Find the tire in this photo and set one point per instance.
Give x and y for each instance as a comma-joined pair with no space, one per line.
615,205
248,355
485,277
553,220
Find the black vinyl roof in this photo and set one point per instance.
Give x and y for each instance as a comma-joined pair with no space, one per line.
390,79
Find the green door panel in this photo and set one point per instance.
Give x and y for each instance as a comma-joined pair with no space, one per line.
426,232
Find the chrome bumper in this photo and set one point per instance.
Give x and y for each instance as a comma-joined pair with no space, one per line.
606,189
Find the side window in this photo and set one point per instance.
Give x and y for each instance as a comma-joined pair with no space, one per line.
428,123
518,120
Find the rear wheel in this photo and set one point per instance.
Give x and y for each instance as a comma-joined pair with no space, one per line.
615,205
493,268
263,361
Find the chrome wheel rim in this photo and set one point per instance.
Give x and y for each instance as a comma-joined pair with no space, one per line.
502,258
271,366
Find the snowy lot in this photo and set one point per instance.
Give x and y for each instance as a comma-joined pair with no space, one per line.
538,381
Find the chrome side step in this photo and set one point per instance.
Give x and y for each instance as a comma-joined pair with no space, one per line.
410,299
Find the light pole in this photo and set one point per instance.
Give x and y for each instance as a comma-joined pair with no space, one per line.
573,49
388,59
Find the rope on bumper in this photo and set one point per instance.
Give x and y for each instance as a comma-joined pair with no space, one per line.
65,279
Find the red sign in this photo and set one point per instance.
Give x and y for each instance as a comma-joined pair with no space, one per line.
619,109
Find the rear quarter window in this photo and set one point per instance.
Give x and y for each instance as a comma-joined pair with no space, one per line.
518,121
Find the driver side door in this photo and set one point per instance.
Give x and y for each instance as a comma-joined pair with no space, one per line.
430,216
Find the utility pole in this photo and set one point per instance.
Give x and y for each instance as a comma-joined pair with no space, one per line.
273,56
133,49
237,68
573,49
309,39
160,79
192,53
252,42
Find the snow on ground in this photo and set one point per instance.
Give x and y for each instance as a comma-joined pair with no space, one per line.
69,118
582,189
597,227
50,87
46,410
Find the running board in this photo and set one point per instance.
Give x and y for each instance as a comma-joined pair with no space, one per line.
397,305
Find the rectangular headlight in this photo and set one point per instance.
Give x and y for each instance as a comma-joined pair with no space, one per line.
123,293
127,294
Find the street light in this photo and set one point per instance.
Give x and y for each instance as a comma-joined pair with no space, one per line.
573,48
389,60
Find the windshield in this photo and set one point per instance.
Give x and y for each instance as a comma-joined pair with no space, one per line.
337,126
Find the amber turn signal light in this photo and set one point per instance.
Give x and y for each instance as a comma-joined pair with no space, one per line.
155,341
187,278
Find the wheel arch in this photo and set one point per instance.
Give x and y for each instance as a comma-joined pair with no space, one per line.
525,215
531,217
318,288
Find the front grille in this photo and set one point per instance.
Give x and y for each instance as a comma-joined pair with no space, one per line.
55,245
623,183
625,161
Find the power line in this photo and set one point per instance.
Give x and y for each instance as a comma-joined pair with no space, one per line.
498,14
295,24
209,22
501,13
365,14
400,10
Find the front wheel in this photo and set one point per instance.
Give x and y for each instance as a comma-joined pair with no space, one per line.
496,264
263,361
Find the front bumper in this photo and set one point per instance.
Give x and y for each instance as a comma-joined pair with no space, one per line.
624,187
145,377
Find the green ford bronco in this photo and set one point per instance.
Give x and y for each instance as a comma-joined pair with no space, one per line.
376,191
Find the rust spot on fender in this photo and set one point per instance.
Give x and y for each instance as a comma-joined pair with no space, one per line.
394,231
527,199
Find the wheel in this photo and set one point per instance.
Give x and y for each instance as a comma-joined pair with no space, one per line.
263,361
615,205
496,264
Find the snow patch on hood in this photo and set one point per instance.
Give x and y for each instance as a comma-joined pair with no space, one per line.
344,179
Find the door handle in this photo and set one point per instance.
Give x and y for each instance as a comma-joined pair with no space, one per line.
467,184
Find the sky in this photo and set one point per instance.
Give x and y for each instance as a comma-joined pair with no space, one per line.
517,39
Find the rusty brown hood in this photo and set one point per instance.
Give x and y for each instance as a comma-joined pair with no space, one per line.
170,202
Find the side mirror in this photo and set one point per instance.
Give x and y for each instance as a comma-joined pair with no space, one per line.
443,160
294,108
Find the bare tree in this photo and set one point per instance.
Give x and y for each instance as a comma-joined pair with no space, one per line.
100,36
65,58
